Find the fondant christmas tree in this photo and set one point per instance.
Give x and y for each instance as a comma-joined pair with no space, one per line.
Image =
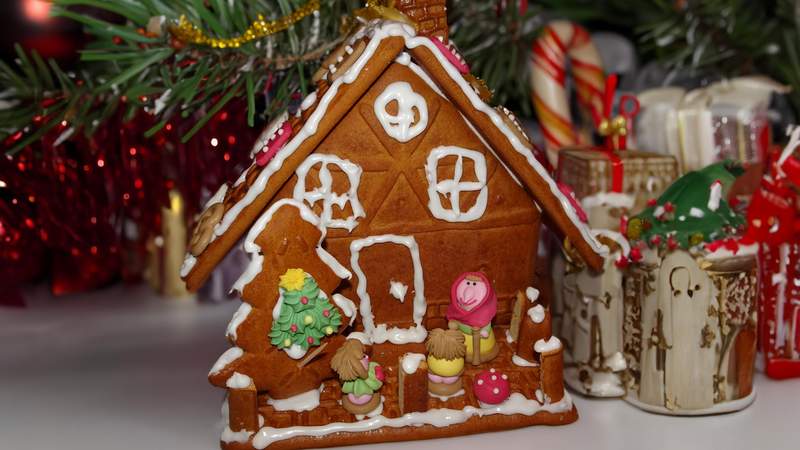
691,211
305,313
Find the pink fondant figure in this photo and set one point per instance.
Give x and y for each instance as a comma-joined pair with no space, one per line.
473,305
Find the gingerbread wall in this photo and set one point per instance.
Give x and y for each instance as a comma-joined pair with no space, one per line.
393,192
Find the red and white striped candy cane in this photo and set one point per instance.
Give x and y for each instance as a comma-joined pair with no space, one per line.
561,40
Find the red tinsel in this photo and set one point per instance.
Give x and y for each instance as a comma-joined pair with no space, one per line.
82,208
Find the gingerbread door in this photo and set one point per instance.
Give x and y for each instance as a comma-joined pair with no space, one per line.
390,284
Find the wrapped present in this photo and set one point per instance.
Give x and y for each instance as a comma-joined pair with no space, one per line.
725,120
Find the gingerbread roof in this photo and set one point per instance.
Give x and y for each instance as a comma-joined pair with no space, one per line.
379,44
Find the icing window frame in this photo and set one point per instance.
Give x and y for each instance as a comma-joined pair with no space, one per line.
452,188
324,192
401,126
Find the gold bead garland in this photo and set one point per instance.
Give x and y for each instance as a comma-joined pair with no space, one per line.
189,33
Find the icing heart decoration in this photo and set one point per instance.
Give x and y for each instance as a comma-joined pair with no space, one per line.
452,55
274,144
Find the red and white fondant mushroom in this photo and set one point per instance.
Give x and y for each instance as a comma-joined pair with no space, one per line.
491,387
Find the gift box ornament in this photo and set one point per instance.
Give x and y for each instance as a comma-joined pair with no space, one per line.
726,120
690,300
612,168
774,222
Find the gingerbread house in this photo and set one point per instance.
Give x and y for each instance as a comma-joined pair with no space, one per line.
394,177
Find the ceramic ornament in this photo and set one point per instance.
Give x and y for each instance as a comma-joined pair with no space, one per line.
399,203
690,300
773,223
725,120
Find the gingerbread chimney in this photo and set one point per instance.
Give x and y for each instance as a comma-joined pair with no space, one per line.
430,16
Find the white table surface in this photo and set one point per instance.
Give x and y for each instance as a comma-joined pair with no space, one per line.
124,369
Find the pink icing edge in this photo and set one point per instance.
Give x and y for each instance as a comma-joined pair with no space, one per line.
460,66
274,145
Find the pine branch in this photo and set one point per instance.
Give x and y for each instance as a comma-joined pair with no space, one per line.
135,63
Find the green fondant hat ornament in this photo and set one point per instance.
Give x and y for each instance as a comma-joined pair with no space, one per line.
693,210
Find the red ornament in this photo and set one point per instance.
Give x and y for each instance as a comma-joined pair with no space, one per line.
652,202
304,300
326,313
310,340
655,240
293,328
669,207
672,243
636,254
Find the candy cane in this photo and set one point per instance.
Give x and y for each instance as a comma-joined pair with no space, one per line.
559,40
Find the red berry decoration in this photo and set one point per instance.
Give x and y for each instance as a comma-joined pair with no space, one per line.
491,387
304,300
310,340
652,202
636,254
669,207
379,374
326,313
293,328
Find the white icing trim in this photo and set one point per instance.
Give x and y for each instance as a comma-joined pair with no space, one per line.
696,212
309,101
532,294
238,317
301,402
398,290
229,435
394,335
230,355
250,246
443,417
616,237
325,193
347,306
401,126
614,199
546,346
238,381
410,362
509,337
452,188
295,351
188,264
359,336
536,313
218,196
445,398
522,362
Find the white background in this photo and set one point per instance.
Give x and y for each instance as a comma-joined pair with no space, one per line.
124,369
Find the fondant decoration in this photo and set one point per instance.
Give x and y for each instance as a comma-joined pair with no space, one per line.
690,314
361,378
772,224
324,191
270,131
203,231
303,316
452,188
446,351
451,53
409,117
561,40
530,322
398,240
724,120
491,387
381,333
274,144
473,305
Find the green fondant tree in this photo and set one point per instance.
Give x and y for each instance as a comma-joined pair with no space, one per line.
683,215
306,315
